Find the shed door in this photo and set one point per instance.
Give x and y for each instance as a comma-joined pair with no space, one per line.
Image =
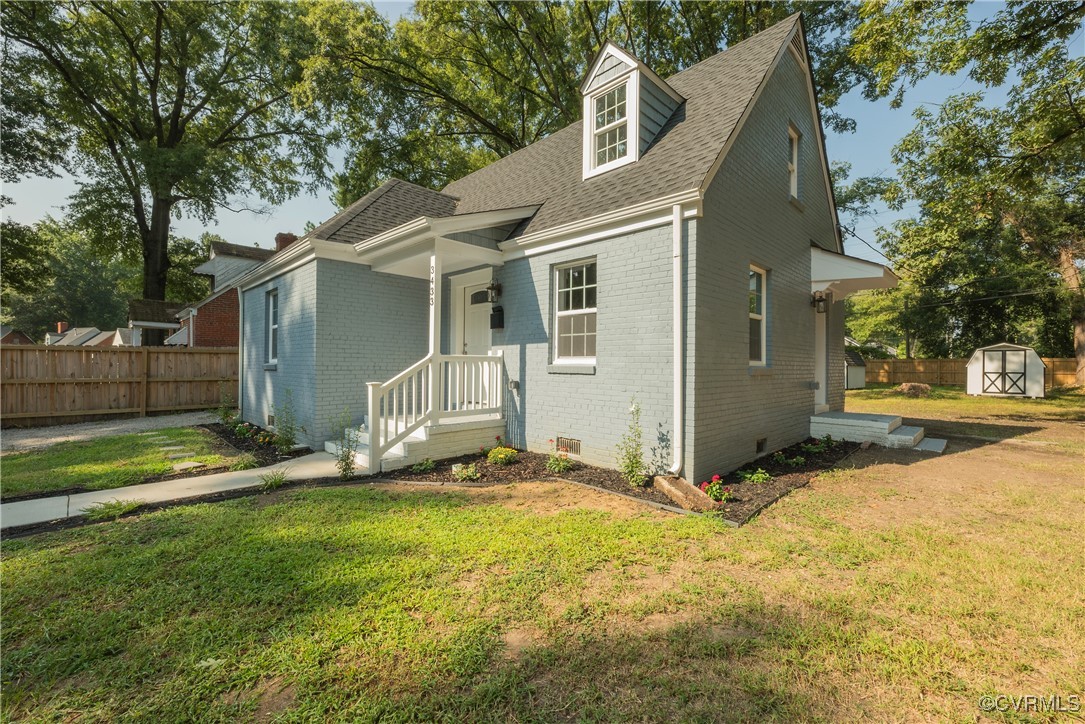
1004,372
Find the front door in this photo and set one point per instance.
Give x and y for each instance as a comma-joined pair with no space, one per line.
476,320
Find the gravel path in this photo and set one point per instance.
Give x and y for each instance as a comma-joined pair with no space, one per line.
34,438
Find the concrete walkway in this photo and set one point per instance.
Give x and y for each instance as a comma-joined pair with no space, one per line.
35,438
43,510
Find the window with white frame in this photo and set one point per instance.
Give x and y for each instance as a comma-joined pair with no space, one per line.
271,342
610,126
793,136
575,312
758,293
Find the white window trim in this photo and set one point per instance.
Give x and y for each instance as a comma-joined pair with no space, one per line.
763,317
794,139
631,80
272,327
558,268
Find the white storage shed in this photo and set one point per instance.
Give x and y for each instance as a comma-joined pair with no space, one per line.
1006,370
854,370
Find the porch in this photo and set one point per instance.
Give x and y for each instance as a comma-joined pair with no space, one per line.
444,404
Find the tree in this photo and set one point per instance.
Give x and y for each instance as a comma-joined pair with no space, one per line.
173,107
455,85
998,184
78,285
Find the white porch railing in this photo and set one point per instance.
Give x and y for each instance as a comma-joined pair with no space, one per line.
434,388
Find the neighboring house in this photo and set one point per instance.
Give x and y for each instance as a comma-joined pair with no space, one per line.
213,322
679,246
10,335
73,337
113,338
152,320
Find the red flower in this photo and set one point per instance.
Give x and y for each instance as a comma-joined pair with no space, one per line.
704,485
715,478
497,437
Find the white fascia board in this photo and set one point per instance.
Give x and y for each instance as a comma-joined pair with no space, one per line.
427,227
154,325
613,223
844,275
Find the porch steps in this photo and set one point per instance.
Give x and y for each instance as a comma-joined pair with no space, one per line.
444,440
885,430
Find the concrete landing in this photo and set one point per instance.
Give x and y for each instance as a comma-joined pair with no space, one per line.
931,444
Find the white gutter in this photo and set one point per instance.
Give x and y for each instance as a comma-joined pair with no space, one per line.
679,356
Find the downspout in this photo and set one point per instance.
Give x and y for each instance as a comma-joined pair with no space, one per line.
679,356
240,351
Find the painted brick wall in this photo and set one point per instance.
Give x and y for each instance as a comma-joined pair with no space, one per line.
371,327
634,348
834,341
748,219
293,376
215,324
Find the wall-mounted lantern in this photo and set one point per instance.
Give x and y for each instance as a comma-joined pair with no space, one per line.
818,301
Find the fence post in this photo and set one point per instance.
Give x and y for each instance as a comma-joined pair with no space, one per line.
143,384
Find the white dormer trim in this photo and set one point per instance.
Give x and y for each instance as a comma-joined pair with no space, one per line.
631,81
632,77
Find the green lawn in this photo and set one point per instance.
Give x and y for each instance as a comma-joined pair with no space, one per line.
1065,405
905,587
108,462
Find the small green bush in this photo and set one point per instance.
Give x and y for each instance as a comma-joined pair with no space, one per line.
425,466
796,461
348,446
754,476
273,479
245,461
813,448
111,510
558,461
631,451
779,458
502,455
465,472
286,426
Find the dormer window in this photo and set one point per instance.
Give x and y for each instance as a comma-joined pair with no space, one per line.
611,127
625,107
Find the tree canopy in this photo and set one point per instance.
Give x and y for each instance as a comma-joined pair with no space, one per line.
164,108
455,85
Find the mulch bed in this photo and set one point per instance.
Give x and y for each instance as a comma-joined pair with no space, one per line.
748,499
265,454
529,466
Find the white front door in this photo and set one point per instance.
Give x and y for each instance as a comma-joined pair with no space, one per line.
475,334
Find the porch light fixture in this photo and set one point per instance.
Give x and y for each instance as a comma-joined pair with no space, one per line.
818,302
494,290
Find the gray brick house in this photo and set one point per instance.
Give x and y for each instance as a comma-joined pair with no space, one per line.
678,246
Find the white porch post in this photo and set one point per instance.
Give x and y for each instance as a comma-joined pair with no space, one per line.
373,391
436,394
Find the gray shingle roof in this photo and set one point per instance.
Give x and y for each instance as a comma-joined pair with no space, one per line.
225,248
550,171
393,203
153,310
853,358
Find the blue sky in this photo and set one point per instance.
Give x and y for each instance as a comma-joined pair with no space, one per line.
869,149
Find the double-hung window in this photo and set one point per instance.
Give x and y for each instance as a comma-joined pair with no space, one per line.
271,342
575,312
757,297
610,127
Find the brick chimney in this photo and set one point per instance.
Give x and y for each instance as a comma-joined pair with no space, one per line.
62,327
284,239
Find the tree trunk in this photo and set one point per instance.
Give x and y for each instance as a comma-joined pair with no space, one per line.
156,260
156,263
1071,277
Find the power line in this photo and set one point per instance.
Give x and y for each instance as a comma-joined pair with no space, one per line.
999,296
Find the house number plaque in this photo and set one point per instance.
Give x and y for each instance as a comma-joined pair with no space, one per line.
432,283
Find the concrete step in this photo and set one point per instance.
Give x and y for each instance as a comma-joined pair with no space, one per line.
855,421
931,444
904,436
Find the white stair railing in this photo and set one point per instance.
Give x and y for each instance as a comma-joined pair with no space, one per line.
472,384
453,385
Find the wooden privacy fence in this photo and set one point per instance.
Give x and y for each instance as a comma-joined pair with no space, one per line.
1060,371
42,385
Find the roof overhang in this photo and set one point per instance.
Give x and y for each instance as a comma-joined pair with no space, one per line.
841,275
431,227
180,337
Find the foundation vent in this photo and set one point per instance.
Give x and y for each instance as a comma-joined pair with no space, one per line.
270,420
762,445
568,445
